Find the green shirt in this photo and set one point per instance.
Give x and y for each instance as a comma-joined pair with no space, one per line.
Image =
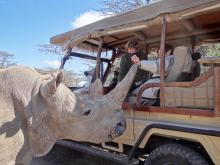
126,64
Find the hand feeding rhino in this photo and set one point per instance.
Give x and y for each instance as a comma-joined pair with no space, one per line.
37,110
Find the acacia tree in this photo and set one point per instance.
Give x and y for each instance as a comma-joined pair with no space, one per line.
108,7
6,59
121,6
51,49
212,49
71,78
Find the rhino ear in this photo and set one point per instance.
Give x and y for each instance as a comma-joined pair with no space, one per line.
96,88
51,86
59,77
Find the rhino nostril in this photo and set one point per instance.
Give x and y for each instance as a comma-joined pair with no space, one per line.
118,110
118,129
120,124
87,112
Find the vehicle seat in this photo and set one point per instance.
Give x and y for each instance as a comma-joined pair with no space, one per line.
182,66
200,94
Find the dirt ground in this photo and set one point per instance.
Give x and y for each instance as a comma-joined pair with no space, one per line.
63,156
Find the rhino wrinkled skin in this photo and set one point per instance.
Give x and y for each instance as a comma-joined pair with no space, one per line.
37,110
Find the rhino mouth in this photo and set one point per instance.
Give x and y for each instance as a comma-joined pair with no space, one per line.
117,130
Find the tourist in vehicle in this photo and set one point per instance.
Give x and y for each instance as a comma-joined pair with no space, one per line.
126,63
89,75
153,66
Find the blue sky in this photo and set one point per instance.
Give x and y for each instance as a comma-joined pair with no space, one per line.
27,23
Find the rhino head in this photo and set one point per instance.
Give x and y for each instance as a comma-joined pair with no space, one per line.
92,117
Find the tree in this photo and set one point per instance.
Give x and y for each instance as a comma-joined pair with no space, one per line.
6,59
121,6
70,77
213,50
51,49
109,7
73,79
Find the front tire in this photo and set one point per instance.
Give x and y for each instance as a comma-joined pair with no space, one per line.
174,154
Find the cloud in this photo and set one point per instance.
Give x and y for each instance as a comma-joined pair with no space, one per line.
87,18
52,63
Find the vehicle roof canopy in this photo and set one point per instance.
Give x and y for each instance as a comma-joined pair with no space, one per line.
186,18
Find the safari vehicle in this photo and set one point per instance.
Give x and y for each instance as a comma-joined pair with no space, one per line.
185,127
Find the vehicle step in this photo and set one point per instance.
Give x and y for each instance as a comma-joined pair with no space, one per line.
121,159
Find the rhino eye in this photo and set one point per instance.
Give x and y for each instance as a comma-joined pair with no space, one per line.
87,112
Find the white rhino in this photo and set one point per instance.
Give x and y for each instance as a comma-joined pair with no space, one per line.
37,110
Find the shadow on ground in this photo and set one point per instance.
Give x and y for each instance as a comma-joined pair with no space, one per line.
60,155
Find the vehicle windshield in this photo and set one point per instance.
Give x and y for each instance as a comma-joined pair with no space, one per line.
80,68
74,69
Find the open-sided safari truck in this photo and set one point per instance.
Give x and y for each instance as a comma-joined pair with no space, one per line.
185,128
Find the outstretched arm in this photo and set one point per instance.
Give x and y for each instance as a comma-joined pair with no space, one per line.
148,65
152,66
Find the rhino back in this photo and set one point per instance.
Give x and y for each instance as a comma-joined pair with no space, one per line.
17,80
15,90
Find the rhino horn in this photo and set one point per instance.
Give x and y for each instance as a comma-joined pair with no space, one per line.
96,88
118,94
